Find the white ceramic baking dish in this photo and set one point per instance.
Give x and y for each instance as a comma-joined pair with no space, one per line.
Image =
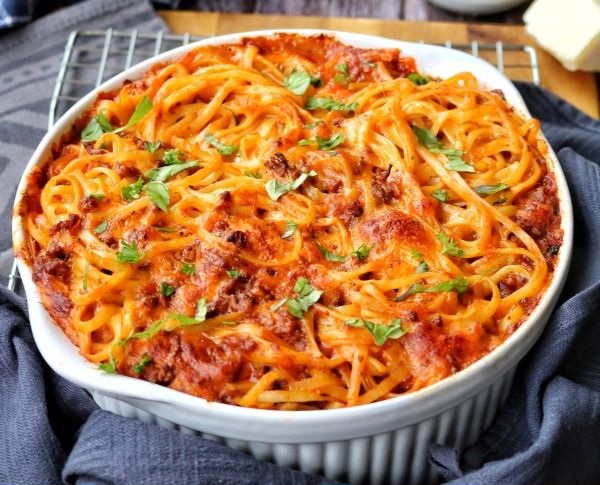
382,442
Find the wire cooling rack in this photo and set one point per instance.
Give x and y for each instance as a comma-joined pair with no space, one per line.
93,56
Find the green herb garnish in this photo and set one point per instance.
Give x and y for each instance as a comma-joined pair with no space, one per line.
129,253
459,285
418,79
159,194
324,143
290,229
173,157
102,227
151,146
362,252
440,194
166,289
233,273
455,161
329,104
380,332
307,296
490,189
449,246
97,126
144,362
132,191
97,197
329,256
342,76
221,147
299,81
201,310
163,173
141,110
276,189
188,269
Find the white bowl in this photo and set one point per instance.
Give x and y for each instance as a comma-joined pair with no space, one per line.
476,7
385,441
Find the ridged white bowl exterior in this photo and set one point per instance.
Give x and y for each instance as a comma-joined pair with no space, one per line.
382,442
396,457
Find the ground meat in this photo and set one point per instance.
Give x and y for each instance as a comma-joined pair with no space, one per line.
384,190
139,235
87,204
71,224
539,215
279,165
162,350
510,283
126,170
350,212
89,147
150,296
189,252
225,200
47,266
283,325
238,238
205,366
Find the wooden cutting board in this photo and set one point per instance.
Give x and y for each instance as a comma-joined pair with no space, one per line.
578,88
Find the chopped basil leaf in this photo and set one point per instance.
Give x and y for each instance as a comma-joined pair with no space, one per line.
362,252
490,189
132,191
129,253
163,173
173,157
422,267
449,246
102,227
221,147
279,304
324,143
329,104
380,332
97,197
276,189
151,146
97,126
254,175
145,361
429,140
299,81
290,229
313,125
459,165
342,76
184,320
201,310
329,256
307,296
150,332
418,79
440,194
141,110
458,285
159,194
188,269
166,289
416,255
109,367
166,229
233,273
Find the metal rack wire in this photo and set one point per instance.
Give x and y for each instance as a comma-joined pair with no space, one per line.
92,56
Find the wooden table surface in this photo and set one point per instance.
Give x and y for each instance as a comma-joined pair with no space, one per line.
579,88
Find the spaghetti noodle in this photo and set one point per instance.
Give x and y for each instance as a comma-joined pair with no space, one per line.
293,223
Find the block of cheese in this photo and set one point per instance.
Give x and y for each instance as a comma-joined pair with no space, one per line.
568,29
